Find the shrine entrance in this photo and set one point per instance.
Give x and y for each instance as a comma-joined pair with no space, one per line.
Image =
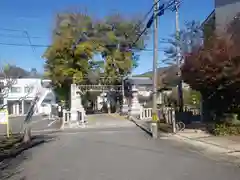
100,98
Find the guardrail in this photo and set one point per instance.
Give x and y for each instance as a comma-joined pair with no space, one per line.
146,113
67,116
169,113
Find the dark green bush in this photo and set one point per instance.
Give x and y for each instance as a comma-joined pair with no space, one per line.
225,129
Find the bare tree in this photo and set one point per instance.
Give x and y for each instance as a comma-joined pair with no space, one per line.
27,122
9,76
6,83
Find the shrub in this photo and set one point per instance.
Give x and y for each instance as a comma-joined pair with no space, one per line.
225,129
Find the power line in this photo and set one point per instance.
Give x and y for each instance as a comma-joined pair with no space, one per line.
13,30
163,8
170,3
46,46
146,15
20,37
25,45
37,37
27,36
30,42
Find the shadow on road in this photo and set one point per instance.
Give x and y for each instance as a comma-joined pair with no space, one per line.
12,166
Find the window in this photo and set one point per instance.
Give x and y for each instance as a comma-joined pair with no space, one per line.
1,87
15,89
1,101
28,89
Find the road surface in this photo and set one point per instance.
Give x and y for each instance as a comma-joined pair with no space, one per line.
39,123
120,152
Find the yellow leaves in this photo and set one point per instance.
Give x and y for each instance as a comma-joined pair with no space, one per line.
100,37
111,36
85,49
78,77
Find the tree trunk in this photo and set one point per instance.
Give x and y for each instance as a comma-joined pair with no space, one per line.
27,134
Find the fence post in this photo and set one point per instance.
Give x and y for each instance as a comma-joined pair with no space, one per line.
173,121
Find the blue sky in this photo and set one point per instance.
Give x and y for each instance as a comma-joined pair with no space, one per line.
37,17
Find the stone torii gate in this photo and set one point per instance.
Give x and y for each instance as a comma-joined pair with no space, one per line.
77,110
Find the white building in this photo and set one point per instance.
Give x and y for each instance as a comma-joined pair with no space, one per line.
19,96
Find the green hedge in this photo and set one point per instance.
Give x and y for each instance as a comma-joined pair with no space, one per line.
225,129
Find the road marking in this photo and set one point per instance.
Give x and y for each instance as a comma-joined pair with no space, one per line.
46,130
91,132
51,123
37,121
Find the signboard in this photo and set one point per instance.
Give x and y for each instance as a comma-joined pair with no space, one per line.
3,117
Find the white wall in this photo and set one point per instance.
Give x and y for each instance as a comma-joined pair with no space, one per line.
35,84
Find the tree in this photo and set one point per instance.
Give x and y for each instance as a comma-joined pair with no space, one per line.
120,52
213,69
65,65
9,75
112,38
190,38
184,41
191,97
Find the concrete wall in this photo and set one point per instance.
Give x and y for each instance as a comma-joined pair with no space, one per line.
225,11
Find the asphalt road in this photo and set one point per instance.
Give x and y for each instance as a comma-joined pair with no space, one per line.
38,123
111,153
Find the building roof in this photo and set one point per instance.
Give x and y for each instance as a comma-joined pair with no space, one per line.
17,72
224,2
139,80
210,16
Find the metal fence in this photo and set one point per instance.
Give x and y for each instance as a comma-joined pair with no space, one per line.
167,114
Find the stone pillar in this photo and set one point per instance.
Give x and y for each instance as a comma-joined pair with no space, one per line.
76,106
135,107
73,109
124,109
23,107
17,108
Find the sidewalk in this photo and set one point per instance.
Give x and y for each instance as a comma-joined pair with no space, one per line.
226,144
229,145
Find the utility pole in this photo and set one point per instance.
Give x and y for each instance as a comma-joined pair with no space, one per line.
180,92
155,60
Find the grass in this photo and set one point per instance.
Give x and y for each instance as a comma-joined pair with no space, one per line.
7,144
11,147
165,127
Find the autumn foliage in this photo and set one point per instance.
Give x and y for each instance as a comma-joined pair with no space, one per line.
214,68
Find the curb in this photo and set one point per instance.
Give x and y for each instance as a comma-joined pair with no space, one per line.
140,126
19,150
194,142
147,130
197,142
